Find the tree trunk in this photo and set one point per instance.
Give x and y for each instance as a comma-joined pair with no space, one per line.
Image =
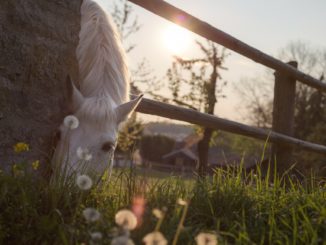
203,149
203,144
38,39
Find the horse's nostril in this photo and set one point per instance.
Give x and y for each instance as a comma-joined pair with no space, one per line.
107,146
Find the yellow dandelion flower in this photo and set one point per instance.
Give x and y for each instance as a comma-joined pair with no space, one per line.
21,147
36,164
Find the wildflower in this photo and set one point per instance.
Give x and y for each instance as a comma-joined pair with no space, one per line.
182,202
122,240
155,238
91,214
71,122
36,164
206,239
126,219
96,236
157,213
21,147
84,182
83,154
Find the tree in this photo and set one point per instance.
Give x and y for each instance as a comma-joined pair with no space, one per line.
129,135
310,105
193,84
125,20
257,93
127,23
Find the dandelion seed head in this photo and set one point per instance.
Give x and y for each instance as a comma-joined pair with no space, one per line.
126,219
84,182
91,214
182,202
71,122
206,239
155,238
157,213
84,154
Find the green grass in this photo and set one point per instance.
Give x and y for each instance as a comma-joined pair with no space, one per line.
240,208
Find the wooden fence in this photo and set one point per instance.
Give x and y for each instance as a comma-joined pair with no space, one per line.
286,75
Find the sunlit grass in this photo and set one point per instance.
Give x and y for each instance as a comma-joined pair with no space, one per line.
239,208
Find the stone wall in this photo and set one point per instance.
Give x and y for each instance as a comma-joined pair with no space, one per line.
38,39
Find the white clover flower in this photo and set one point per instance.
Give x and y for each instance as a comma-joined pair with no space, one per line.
96,236
182,202
84,154
126,219
206,239
157,213
71,122
91,214
122,240
155,238
84,182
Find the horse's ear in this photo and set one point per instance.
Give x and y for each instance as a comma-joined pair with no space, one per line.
75,98
125,109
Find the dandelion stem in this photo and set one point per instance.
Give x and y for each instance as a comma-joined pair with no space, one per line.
180,225
159,223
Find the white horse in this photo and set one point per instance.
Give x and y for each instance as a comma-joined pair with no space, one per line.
101,103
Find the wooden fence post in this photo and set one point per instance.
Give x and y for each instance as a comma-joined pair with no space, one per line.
283,117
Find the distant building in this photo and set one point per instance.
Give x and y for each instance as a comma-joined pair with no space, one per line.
184,156
181,158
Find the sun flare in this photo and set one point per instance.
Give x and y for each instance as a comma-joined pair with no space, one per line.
176,39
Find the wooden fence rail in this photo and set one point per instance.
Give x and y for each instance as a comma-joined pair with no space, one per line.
284,91
153,107
182,18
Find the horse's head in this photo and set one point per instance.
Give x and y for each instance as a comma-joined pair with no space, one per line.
87,138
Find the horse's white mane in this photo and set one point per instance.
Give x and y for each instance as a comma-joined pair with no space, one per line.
103,71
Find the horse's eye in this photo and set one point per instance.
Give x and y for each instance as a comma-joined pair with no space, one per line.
107,146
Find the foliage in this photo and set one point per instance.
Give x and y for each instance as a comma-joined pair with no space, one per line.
194,84
125,20
243,146
240,208
257,93
129,135
153,147
310,104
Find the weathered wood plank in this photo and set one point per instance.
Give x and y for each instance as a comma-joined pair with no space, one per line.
152,107
283,117
182,18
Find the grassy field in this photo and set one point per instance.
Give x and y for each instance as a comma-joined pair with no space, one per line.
238,208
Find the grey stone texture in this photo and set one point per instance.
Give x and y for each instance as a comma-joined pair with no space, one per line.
38,39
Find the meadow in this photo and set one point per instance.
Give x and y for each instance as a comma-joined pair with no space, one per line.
233,206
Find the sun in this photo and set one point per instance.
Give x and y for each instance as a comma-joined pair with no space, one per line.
176,39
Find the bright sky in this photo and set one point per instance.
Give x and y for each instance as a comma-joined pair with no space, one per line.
266,25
